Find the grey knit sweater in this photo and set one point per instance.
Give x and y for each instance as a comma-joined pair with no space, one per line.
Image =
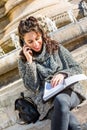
42,69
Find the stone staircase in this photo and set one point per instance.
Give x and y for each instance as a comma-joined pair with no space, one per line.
77,34
9,93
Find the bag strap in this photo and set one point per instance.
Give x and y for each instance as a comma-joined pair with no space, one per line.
28,99
21,122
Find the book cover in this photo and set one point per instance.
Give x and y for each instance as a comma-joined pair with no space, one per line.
50,91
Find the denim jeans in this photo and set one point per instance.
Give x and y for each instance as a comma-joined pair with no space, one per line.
62,118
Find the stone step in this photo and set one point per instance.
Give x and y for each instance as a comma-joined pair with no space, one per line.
80,54
40,126
43,125
80,113
8,95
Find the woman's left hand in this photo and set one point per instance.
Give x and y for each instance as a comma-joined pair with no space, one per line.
57,79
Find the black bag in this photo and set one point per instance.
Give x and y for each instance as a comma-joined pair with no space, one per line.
27,109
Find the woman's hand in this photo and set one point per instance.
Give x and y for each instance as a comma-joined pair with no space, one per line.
57,79
28,53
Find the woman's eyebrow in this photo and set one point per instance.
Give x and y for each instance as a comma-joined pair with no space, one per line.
29,40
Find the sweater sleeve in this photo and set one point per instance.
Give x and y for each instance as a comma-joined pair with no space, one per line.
71,67
29,74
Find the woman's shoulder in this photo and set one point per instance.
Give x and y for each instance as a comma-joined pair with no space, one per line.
64,50
61,47
20,61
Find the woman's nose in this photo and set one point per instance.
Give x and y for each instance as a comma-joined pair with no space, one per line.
36,43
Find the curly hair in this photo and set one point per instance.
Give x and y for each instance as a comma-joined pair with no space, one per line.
32,24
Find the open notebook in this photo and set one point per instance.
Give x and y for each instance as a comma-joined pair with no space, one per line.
50,91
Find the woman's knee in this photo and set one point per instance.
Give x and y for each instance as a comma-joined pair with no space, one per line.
61,103
62,98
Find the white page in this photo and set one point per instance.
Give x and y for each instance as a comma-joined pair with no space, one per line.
49,91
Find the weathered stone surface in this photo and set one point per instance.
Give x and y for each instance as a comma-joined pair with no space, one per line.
43,125
7,117
81,112
8,58
8,95
39,126
10,92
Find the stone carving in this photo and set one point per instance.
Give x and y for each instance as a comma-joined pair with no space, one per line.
47,24
71,16
15,40
83,7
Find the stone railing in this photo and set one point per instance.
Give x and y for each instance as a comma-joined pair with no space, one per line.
12,14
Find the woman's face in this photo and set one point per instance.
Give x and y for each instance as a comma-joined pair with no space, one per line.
33,40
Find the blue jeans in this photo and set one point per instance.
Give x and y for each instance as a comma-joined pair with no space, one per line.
62,118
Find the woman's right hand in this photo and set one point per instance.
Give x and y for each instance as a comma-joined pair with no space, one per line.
28,53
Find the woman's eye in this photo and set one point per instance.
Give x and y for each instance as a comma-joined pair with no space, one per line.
30,42
37,38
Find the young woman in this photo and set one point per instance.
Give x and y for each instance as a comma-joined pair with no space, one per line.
43,59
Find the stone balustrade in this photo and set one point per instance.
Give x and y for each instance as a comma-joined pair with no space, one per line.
12,14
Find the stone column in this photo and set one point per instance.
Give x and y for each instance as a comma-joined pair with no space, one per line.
3,18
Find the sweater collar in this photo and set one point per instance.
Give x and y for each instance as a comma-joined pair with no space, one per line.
41,57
